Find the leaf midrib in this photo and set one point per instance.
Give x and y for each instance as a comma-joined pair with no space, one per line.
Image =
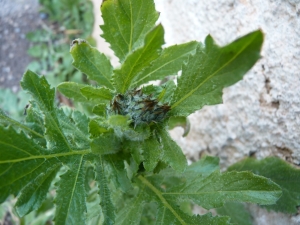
160,196
213,74
72,152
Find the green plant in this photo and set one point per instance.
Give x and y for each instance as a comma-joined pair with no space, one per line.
120,166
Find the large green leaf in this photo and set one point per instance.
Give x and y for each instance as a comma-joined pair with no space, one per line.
168,63
139,59
211,69
203,184
279,171
91,62
99,94
169,212
126,23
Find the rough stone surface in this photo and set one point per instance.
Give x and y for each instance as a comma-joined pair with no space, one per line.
261,113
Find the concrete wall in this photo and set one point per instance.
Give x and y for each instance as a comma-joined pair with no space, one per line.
261,113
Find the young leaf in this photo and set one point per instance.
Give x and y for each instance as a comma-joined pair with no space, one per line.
126,23
107,206
211,69
91,62
237,212
172,153
71,194
139,59
286,176
168,63
106,143
99,94
72,90
181,121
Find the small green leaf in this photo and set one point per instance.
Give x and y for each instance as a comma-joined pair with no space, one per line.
106,204
139,59
72,90
168,63
279,171
168,91
237,212
126,23
71,194
211,69
180,121
91,62
99,94
172,153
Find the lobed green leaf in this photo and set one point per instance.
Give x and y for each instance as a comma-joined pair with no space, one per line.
279,171
126,23
211,69
100,94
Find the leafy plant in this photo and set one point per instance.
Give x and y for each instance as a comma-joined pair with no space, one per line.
120,166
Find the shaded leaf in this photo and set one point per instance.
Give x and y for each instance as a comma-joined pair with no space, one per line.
279,171
126,23
91,62
33,194
211,69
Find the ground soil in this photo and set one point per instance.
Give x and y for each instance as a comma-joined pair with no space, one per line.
17,18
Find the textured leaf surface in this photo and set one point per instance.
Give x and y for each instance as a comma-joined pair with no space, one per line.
72,90
172,153
91,62
168,63
211,69
33,195
152,152
71,193
282,173
126,23
203,184
170,213
41,92
139,59
237,212
107,206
